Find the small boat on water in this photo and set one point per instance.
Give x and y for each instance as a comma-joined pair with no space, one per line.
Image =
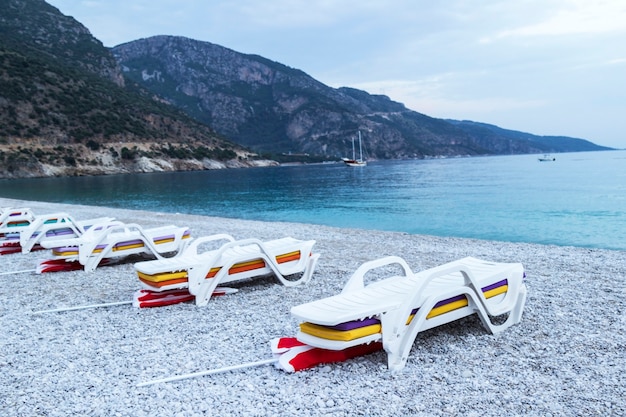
547,158
354,162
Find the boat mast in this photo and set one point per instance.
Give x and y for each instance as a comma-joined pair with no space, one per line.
360,148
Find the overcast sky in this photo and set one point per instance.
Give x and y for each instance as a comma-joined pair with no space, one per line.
547,67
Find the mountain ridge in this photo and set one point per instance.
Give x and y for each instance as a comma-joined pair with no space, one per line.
572,144
65,108
271,107
70,106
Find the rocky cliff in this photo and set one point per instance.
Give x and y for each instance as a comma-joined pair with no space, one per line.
271,107
65,108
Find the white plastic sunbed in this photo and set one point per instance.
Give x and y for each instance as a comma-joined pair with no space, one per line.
235,260
54,226
12,222
12,219
104,241
394,310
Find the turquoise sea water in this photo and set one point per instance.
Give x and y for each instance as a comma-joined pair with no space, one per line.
578,200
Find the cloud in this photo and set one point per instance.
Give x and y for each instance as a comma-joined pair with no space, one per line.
436,96
617,61
294,14
574,17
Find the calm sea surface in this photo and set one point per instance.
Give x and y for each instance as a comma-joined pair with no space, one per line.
578,200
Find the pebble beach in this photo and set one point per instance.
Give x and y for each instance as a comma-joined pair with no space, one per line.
567,357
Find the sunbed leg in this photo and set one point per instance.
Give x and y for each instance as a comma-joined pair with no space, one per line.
91,262
394,339
515,315
398,354
201,287
519,306
307,273
310,268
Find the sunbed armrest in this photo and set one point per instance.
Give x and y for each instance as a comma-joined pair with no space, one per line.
193,246
355,283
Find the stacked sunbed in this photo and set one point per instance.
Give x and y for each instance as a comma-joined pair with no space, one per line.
12,222
23,231
200,272
109,241
394,310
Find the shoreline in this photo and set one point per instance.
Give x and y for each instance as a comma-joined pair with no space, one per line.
548,209
565,357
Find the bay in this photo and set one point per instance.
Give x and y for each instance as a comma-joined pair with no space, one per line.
577,200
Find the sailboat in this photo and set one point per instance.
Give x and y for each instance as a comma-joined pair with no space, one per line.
546,158
354,162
